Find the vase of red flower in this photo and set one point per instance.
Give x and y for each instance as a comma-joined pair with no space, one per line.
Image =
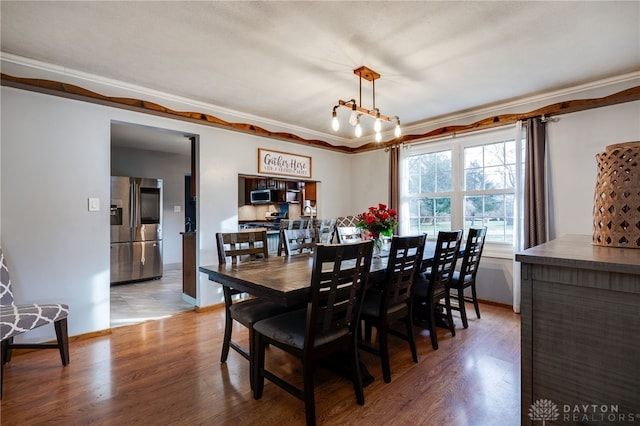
378,222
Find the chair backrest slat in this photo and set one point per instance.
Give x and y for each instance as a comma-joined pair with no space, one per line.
348,234
444,261
238,246
326,231
405,259
299,240
472,253
338,280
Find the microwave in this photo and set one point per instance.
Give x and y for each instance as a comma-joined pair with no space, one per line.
262,196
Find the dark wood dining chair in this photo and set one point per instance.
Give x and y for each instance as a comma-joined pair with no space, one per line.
292,224
327,325
431,287
16,319
348,234
242,247
392,300
466,276
300,240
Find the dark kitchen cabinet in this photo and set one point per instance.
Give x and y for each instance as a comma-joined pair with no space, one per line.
288,190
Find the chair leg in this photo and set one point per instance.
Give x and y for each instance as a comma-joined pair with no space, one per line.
3,351
463,310
412,341
309,397
62,336
432,324
447,301
257,355
383,340
475,299
7,349
228,326
357,377
252,345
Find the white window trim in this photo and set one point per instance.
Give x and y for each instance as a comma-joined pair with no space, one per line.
501,250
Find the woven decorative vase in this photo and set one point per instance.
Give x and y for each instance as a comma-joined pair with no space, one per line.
616,210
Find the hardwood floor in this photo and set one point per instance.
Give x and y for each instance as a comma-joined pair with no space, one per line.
167,372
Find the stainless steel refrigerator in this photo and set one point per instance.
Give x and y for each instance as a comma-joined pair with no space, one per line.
136,229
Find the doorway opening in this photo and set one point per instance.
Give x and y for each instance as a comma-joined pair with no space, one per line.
169,155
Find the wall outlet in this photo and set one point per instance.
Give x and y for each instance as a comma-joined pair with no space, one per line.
177,209
94,204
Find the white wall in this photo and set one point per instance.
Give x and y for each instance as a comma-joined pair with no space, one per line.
573,142
369,180
56,154
171,168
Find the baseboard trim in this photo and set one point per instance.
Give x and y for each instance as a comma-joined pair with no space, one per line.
500,304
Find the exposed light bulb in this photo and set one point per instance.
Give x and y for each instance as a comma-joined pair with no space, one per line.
358,129
335,124
377,126
397,132
378,137
353,119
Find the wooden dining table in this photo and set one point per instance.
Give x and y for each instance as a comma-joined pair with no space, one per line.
284,279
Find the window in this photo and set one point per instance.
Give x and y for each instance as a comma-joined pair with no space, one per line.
465,182
489,188
430,184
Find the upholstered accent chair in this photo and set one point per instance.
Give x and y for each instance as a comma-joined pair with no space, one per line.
17,319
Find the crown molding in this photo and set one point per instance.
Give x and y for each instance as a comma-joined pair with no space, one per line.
142,92
76,92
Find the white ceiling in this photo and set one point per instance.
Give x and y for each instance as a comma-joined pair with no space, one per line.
290,62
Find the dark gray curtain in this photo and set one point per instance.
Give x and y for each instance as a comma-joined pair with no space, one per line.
394,180
535,204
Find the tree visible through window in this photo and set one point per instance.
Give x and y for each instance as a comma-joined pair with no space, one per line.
429,189
489,188
463,184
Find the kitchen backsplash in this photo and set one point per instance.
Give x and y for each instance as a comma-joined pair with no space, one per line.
258,212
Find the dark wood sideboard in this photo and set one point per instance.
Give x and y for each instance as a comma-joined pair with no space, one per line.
581,331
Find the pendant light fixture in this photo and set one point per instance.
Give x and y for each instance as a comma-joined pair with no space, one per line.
357,110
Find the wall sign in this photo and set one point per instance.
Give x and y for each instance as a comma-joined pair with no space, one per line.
283,163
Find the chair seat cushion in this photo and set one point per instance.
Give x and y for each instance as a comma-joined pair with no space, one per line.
248,312
456,283
17,319
290,329
371,304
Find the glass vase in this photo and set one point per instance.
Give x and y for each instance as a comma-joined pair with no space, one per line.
377,247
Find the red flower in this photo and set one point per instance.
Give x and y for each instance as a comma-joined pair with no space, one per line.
378,220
